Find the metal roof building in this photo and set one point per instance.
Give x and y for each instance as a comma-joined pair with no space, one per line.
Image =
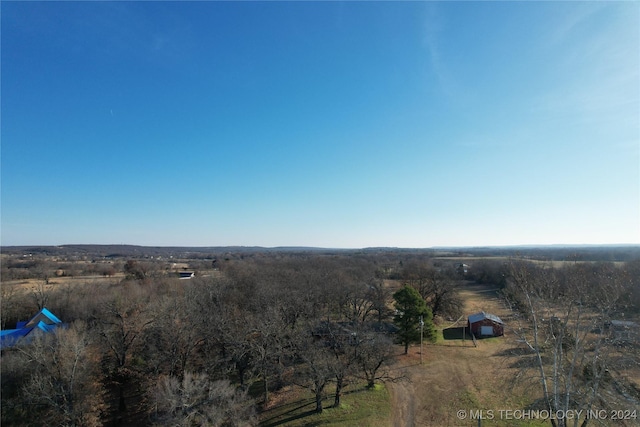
486,325
44,321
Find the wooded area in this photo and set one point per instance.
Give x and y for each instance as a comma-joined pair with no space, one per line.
143,347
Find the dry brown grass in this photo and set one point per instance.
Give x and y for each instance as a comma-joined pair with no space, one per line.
26,285
458,376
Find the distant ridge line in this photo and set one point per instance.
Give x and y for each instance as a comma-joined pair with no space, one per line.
607,252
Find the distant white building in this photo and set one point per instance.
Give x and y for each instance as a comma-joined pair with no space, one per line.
462,269
187,274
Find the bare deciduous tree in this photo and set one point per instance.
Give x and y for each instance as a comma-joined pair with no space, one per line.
64,378
374,354
316,369
195,400
41,293
341,344
562,322
269,346
122,321
122,325
437,288
12,305
379,295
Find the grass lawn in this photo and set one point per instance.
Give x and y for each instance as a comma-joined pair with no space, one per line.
360,406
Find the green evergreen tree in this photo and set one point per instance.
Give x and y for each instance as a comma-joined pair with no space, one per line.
409,308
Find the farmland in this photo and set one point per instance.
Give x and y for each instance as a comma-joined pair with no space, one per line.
260,325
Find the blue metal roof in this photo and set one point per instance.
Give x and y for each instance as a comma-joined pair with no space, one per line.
44,321
9,337
43,315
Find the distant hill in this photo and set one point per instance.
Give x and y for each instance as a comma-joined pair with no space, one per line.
552,252
557,252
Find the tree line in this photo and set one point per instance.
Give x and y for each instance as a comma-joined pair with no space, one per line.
152,350
208,351
565,320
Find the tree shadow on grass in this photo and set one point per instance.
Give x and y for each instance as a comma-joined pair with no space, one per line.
278,419
282,418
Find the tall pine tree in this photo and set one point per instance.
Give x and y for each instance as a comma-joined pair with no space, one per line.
409,308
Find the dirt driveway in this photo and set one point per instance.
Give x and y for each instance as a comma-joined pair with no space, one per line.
455,375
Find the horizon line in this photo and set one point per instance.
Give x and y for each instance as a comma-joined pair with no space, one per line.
505,246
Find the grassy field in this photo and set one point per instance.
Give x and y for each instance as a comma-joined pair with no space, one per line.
27,284
359,407
455,384
457,381
454,376
506,259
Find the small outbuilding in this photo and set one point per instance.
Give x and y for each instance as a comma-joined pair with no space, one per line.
462,269
486,325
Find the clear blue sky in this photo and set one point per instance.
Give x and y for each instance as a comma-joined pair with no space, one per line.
333,124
